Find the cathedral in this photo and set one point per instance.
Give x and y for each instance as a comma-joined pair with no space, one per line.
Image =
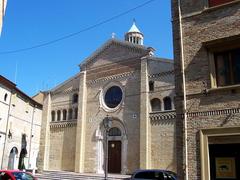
124,82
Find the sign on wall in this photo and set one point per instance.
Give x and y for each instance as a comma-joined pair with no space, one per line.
225,167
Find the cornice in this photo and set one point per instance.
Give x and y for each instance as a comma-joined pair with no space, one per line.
162,74
113,77
68,91
214,112
162,115
63,124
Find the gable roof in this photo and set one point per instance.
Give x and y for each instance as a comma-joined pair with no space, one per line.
143,49
65,82
9,84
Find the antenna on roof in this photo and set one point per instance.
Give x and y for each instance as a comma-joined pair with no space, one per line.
16,68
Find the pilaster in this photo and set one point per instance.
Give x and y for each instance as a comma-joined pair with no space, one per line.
43,160
145,127
81,125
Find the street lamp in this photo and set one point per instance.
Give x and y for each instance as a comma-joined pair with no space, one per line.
107,123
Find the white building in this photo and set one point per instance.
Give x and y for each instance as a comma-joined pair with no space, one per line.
3,4
20,124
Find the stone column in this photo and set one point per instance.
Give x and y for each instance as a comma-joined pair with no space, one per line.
81,124
145,126
43,159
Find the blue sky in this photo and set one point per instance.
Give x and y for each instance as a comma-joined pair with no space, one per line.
28,23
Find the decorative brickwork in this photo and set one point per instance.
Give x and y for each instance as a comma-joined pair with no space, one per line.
63,124
167,115
113,77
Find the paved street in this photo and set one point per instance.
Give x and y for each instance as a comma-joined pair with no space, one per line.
54,175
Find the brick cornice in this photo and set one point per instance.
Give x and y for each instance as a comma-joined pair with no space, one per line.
162,115
113,77
63,124
214,112
159,75
67,91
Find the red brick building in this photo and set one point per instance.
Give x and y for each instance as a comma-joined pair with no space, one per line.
207,73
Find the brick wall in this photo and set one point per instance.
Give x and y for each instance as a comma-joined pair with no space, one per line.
201,25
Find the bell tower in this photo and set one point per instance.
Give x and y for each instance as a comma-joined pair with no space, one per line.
134,35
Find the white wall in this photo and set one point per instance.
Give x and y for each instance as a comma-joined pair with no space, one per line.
24,118
4,107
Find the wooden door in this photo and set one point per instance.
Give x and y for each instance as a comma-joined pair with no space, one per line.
114,156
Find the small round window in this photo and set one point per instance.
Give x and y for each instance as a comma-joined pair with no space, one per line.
113,96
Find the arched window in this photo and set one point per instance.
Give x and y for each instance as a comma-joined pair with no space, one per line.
70,112
64,114
75,98
167,103
58,115
156,104
53,115
5,97
114,132
76,113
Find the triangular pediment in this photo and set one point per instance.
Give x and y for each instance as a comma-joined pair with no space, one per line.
114,51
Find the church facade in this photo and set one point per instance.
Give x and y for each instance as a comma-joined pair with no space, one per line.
124,81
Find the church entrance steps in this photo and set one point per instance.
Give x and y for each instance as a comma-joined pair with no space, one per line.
66,175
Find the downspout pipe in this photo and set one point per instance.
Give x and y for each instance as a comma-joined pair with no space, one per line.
184,90
31,136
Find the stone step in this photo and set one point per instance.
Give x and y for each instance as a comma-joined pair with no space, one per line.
65,175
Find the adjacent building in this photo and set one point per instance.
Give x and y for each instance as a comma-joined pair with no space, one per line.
3,5
20,125
124,81
207,75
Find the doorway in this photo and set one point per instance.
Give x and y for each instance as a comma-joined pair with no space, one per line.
114,156
224,161
117,135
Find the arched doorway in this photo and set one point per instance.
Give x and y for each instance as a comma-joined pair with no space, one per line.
23,153
21,164
12,160
117,148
